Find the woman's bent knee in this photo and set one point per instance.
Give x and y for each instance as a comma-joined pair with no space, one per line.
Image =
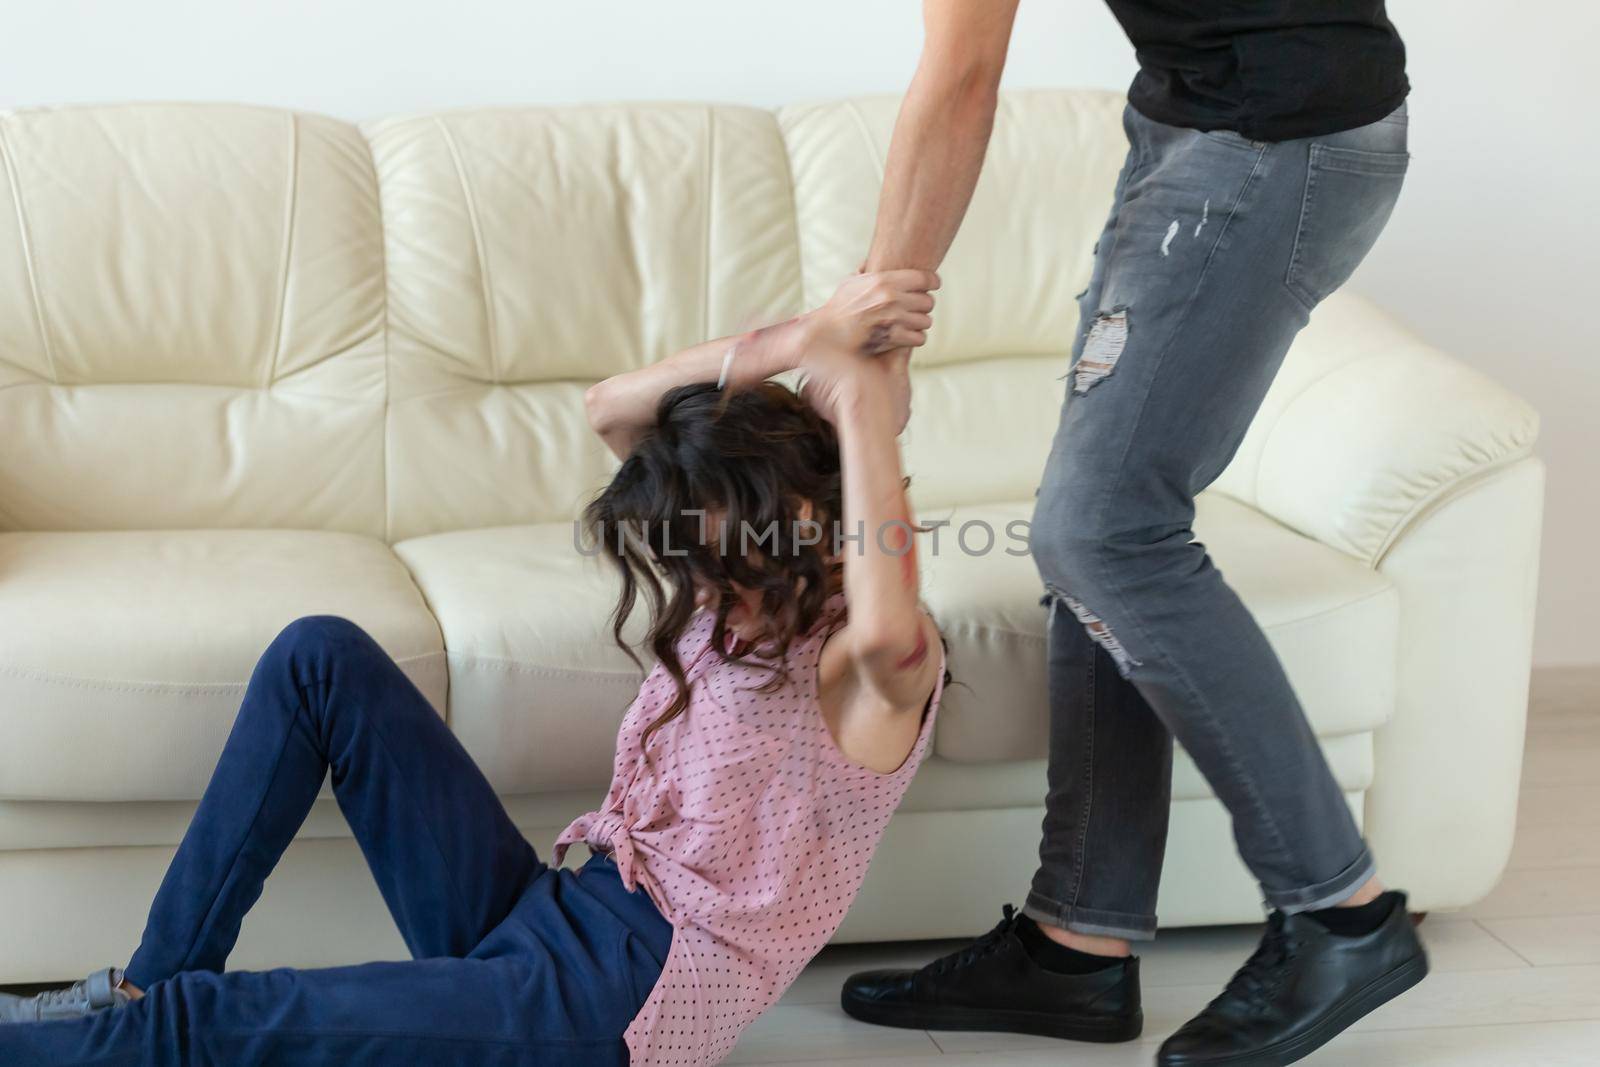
319,641
320,631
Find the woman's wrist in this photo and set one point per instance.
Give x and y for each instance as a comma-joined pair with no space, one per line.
774,349
860,400
803,334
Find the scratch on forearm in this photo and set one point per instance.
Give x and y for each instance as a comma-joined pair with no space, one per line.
904,543
765,334
918,654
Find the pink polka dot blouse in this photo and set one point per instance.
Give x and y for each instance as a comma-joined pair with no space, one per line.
747,827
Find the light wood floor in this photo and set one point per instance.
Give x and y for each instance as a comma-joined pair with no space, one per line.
1515,981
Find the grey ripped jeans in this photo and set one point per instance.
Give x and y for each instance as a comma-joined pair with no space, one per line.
1216,251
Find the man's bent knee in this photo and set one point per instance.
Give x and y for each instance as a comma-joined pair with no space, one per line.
1078,575
1067,555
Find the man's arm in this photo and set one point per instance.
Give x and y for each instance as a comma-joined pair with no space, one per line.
942,132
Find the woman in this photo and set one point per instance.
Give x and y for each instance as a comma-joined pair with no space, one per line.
796,687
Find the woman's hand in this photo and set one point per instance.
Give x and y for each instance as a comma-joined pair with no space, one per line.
840,387
860,342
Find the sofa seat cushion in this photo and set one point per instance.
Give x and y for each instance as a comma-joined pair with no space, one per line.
1332,620
537,685
525,622
940,785
126,653
945,785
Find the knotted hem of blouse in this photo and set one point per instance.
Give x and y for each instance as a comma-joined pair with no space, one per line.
606,833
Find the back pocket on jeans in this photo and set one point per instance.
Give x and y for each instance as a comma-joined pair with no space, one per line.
1349,197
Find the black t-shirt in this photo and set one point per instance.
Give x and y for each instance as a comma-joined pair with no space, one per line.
1270,70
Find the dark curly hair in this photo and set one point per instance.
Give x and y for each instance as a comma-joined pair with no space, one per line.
755,457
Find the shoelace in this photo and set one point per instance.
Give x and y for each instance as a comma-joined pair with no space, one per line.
984,946
76,993
1259,978
99,990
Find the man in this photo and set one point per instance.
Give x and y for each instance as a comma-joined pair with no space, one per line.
1267,148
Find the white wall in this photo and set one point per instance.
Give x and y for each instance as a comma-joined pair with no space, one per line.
1492,252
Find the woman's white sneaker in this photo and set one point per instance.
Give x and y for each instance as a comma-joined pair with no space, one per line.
99,991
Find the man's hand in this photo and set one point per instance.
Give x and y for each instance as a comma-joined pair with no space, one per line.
859,341
873,313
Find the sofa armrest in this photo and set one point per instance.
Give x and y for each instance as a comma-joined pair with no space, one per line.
1367,428
1441,812
1387,449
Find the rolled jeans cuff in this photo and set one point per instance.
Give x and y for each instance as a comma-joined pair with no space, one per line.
1089,921
1339,888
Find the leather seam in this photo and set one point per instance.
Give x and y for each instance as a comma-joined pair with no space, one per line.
1446,491
866,136
992,631
485,290
384,333
1325,612
496,663
291,199
131,685
980,809
995,631
794,211
1418,508
709,207
27,253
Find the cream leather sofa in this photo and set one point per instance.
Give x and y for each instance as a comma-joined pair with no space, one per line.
256,365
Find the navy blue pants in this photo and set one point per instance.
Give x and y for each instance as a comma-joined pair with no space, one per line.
516,963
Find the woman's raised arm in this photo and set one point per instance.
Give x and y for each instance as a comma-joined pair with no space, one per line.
868,314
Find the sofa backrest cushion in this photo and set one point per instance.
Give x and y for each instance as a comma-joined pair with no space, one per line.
235,316
534,251
191,320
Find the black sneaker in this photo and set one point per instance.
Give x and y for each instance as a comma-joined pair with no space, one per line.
993,984
1300,989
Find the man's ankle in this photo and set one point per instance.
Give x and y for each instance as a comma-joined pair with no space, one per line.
1051,955
1356,920
1089,944
1370,891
